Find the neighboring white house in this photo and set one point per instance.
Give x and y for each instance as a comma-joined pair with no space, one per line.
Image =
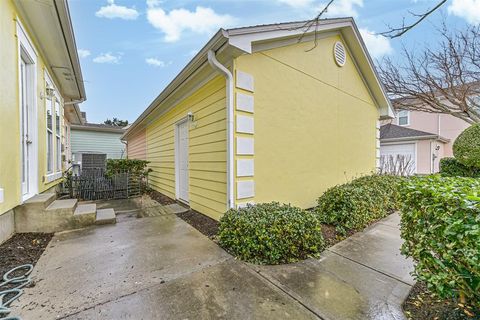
96,141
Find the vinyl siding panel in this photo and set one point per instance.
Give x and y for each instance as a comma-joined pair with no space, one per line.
207,148
137,146
97,142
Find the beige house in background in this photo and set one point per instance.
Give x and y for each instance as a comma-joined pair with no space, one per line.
424,137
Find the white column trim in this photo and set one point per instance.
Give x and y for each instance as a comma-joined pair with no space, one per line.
244,81
245,124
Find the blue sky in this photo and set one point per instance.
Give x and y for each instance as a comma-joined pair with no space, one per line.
131,49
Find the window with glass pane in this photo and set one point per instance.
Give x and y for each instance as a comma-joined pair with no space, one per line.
49,103
403,118
58,129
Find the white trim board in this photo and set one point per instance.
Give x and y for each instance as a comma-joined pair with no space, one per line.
245,102
53,176
245,146
245,189
244,81
245,167
176,159
245,124
26,51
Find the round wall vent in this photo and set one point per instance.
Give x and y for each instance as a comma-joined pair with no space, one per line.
339,54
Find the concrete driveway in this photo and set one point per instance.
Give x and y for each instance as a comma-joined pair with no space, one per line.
159,267
149,268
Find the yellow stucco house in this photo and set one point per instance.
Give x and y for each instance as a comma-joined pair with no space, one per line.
265,113
40,88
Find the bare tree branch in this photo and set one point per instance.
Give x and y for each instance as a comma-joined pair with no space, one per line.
313,23
399,31
441,79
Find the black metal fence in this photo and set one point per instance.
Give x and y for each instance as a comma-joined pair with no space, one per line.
94,185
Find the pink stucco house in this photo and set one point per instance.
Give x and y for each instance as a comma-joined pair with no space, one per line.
423,137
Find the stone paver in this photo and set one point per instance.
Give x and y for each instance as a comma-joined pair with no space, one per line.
105,216
176,208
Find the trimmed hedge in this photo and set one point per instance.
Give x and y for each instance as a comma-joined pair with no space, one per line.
271,233
356,204
441,228
134,166
450,167
466,147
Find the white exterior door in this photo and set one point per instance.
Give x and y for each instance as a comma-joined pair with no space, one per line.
27,131
181,160
407,150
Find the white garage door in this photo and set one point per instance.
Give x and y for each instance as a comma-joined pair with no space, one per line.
406,149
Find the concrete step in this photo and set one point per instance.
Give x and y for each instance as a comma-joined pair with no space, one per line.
85,214
41,200
106,216
63,205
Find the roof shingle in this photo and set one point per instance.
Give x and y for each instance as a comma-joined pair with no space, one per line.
393,131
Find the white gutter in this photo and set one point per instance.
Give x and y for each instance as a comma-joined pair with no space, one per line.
216,65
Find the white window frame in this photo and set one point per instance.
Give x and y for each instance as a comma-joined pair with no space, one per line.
50,99
56,156
58,135
407,115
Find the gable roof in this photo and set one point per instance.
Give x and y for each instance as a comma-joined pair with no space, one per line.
98,127
238,41
393,132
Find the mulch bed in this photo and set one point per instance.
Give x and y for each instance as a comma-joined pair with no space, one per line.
161,198
331,236
422,305
209,226
204,224
22,248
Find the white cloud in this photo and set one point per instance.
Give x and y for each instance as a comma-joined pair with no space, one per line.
153,3
83,53
466,9
202,20
377,45
297,3
342,8
108,58
112,11
155,62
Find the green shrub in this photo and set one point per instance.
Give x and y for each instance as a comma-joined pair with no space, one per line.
356,204
466,147
270,233
441,228
134,166
450,167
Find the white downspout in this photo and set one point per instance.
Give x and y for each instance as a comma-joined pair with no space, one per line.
216,65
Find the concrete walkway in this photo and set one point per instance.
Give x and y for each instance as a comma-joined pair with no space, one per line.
363,277
159,267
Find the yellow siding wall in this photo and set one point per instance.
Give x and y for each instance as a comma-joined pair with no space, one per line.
207,149
314,123
10,117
